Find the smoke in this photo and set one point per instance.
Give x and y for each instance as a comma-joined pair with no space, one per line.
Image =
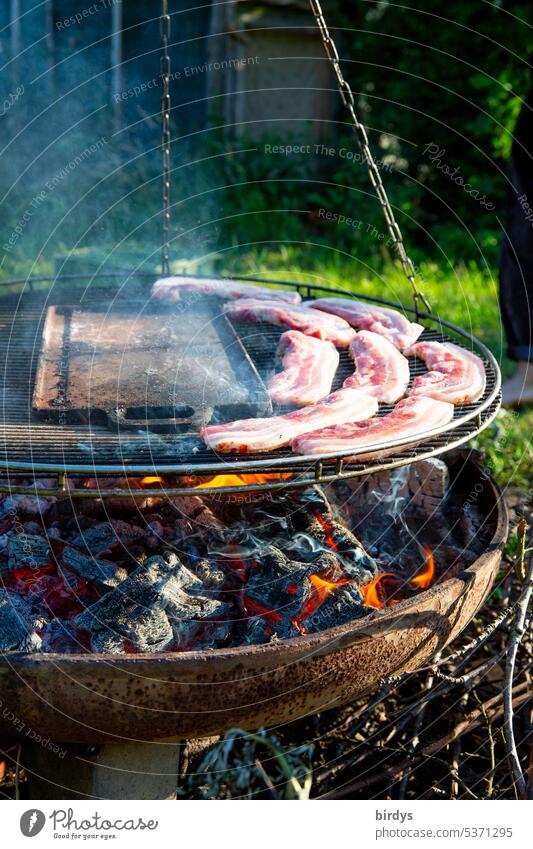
80,161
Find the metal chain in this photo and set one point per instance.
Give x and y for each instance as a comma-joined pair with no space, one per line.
362,140
164,69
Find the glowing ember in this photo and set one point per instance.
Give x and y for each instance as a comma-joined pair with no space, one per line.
253,608
424,579
222,481
327,527
321,589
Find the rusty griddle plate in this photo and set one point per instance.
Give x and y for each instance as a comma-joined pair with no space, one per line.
144,697
142,365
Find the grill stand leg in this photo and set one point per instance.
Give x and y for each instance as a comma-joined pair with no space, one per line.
111,771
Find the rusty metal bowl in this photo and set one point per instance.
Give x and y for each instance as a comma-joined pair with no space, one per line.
99,699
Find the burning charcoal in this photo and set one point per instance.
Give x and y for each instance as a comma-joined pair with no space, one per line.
258,630
96,540
28,550
17,625
331,605
146,630
59,636
107,642
150,585
275,586
137,609
27,505
429,481
195,516
93,568
210,576
127,533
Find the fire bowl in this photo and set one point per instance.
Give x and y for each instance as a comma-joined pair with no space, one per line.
102,699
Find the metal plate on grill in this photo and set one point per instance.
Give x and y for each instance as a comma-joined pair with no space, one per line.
145,367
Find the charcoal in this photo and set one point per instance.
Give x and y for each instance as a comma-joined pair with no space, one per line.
126,532
107,642
428,482
140,608
145,586
27,505
28,550
184,606
93,568
194,516
147,630
343,604
96,540
60,636
211,577
17,625
257,630
276,584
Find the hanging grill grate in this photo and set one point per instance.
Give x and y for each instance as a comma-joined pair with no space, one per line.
27,444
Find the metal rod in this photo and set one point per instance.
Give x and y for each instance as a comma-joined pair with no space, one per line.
164,69
362,139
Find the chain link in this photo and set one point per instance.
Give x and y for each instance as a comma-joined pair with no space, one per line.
164,70
362,140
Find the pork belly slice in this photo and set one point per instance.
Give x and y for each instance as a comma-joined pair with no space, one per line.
456,375
385,322
309,366
411,417
330,328
382,371
171,288
250,435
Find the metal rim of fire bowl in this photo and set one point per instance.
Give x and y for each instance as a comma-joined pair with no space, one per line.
258,684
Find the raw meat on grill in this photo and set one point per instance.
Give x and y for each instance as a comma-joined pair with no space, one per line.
411,417
331,328
171,288
309,366
386,322
249,435
382,370
456,375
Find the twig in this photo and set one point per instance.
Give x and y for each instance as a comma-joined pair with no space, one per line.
520,561
489,778
418,727
494,709
518,629
457,748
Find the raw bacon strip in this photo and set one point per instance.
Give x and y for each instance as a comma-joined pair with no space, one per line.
330,328
411,417
388,323
249,435
171,288
456,375
381,370
309,366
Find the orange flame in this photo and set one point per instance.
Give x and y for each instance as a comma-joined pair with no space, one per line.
373,592
320,590
424,578
151,479
221,481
